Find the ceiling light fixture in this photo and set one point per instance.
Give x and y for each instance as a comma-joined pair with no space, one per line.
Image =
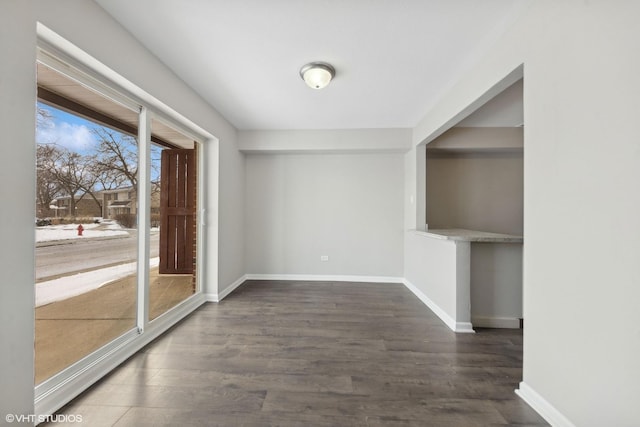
317,74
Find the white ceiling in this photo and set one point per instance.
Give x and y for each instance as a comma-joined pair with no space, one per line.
393,59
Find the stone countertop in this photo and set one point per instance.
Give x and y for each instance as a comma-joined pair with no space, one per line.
461,234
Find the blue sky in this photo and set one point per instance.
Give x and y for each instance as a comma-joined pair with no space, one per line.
66,130
74,133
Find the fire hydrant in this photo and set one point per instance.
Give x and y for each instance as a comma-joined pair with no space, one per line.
80,230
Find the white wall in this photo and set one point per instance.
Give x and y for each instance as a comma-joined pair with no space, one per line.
496,285
17,148
430,268
581,202
346,206
98,35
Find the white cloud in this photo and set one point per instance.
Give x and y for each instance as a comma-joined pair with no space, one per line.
75,137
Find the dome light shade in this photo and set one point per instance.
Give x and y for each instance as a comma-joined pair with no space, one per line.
317,74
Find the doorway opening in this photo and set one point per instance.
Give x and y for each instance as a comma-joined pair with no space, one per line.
474,181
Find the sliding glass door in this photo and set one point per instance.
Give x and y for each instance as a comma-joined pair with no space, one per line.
86,216
116,221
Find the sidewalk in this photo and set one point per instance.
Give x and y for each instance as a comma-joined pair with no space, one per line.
70,329
64,234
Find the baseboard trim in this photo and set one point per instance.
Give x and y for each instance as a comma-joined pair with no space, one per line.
324,278
460,327
542,406
464,328
211,297
496,322
226,291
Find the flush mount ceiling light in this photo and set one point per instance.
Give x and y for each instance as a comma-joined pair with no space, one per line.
317,74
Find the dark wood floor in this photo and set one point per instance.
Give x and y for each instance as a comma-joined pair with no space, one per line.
315,354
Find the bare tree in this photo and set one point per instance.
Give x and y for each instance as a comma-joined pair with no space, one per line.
47,187
112,165
71,172
108,179
116,159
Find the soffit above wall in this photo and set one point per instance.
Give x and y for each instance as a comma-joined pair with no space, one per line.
505,110
479,139
70,95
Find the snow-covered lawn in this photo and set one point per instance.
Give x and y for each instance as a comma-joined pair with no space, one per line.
71,286
106,228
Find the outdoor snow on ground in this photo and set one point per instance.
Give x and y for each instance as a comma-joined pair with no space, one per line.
69,286
77,284
70,231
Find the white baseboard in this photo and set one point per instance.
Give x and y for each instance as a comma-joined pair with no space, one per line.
211,297
226,291
542,406
464,328
325,278
495,322
460,327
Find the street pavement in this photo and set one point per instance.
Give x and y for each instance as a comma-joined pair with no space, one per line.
63,258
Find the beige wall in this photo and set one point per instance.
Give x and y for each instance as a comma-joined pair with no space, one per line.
475,180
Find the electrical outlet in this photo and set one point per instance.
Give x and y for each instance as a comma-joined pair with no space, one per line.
324,257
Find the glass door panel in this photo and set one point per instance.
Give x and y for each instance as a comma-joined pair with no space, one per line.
86,237
173,236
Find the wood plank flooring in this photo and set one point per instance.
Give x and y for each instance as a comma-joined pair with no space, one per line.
315,354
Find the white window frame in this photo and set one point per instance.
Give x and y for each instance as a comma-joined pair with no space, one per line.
64,57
